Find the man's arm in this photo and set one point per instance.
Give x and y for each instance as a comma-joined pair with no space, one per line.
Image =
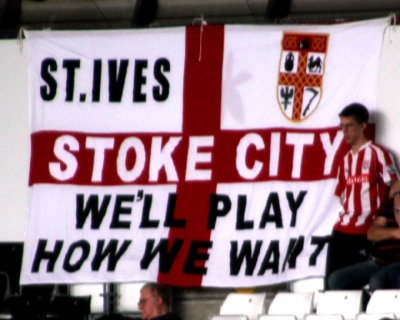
379,232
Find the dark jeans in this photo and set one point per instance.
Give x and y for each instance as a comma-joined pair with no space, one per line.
345,250
368,272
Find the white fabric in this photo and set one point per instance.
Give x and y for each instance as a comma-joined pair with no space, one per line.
281,171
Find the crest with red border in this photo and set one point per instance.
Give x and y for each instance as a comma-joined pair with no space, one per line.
301,70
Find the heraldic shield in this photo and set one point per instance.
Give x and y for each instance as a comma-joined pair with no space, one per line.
301,71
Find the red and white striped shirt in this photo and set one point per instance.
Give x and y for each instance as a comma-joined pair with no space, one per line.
363,180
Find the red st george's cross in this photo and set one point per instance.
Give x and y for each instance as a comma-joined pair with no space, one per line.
201,117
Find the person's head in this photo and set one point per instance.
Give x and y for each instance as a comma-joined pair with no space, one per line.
353,121
154,300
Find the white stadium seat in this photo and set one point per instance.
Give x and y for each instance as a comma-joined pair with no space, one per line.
229,317
312,284
128,296
347,303
297,304
384,301
324,317
375,316
247,304
95,291
277,317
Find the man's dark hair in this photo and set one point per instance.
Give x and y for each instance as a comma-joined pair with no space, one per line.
357,110
159,290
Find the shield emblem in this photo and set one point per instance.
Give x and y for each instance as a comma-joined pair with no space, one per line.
301,71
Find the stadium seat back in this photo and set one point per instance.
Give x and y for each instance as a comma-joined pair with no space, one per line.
384,301
292,303
347,303
248,304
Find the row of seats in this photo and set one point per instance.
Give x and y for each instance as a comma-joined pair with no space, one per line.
120,298
305,299
338,305
77,301
312,304
80,301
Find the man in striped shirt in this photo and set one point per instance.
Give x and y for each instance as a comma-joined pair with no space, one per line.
364,178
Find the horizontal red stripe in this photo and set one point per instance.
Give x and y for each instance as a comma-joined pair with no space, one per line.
225,145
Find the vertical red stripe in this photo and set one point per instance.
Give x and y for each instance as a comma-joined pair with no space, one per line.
349,160
357,186
201,117
374,183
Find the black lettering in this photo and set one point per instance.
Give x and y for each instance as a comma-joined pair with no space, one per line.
111,251
195,255
70,65
166,257
295,247
241,224
91,207
42,254
294,205
119,210
139,81
272,202
97,66
170,220
161,93
246,254
320,242
116,79
268,263
49,91
82,245
214,212
146,222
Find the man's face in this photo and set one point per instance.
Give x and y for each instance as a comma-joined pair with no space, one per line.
149,305
353,131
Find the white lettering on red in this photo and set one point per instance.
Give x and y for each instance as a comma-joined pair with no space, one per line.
357,179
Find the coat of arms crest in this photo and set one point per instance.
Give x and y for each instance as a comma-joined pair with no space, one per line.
301,71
